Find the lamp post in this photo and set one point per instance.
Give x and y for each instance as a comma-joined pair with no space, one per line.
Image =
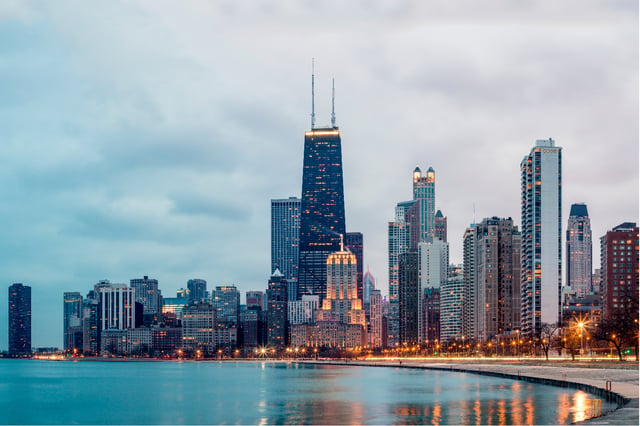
581,327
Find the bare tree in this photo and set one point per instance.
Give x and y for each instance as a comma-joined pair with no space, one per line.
547,333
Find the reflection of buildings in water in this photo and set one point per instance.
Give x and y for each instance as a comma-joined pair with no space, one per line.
465,419
516,404
502,412
564,405
477,410
529,408
581,404
437,414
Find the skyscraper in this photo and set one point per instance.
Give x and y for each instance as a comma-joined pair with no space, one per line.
116,304
322,217
72,320
197,290
148,294
226,302
441,226
19,319
433,272
541,274
353,241
424,190
619,270
285,237
408,298
494,249
277,310
579,248
403,235
451,305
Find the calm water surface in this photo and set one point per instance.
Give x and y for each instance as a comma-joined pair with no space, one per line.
92,392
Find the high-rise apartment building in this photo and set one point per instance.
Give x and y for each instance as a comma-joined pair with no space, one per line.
433,272
451,305
277,310
368,285
403,235
148,294
19,319
619,270
424,191
375,332
441,226
470,309
541,274
492,256
285,237
322,215
579,246
353,241
72,320
302,311
409,297
197,290
199,327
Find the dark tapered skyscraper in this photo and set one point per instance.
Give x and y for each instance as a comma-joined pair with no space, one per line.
322,208
354,242
19,319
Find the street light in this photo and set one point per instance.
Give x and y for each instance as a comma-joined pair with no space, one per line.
581,327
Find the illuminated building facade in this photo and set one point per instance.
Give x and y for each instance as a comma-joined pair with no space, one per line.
226,301
619,270
375,332
579,247
322,215
285,239
541,273
19,319
198,327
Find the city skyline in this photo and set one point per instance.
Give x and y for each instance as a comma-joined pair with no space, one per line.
160,157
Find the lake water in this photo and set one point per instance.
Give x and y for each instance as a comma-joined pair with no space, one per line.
93,392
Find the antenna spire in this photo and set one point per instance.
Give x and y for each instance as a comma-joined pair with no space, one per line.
333,102
313,112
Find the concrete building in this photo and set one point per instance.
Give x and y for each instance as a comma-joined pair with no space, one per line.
198,327
451,305
433,273
255,299
302,311
579,247
116,306
375,331
424,191
541,273
226,301
277,310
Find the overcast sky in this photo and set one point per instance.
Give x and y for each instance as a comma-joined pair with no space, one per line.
148,138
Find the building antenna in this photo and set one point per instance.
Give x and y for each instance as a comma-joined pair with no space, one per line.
333,103
313,111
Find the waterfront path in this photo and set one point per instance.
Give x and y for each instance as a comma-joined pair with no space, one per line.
620,379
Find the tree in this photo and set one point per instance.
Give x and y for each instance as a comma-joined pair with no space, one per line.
619,329
547,333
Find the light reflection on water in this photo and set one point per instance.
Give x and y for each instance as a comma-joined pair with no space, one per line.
272,393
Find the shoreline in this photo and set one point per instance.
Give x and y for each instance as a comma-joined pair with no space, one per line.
620,385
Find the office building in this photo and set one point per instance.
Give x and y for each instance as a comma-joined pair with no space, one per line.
116,304
579,246
408,298
541,273
174,305
19,319
424,191
148,294
433,272
368,285
198,327
285,238
255,299
302,311
226,301
441,226
375,331
353,241
72,312
619,271
196,290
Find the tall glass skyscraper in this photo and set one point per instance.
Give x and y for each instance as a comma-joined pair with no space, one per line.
541,273
148,294
19,319
579,248
322,217
424,190
72,319
285,238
